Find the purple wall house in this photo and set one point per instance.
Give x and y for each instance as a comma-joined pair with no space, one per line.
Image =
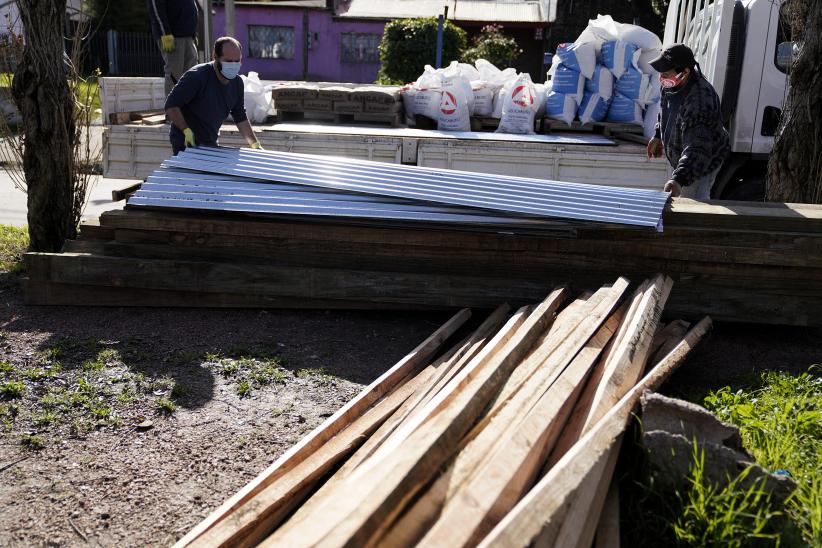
289,41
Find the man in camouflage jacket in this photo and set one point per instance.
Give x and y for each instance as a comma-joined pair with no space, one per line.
690,129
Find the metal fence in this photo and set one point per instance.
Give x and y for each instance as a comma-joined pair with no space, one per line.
121,54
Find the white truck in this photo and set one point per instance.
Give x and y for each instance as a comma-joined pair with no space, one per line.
742,49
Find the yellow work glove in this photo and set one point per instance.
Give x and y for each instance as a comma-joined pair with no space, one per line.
167,41
189,136
257,145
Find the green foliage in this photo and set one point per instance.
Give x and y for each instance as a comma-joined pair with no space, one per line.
122,15
32,442
165,406
493,46
12,389
243,388
409,44
730,516
13,243
781,425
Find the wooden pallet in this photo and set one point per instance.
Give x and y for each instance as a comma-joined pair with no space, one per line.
390,120
549,125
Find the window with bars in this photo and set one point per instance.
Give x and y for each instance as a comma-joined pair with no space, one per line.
359,47
270,42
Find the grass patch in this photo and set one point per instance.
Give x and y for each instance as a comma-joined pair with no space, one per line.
165,406
243,388
6,368
13,243
730,516
12,390
781,425
32,442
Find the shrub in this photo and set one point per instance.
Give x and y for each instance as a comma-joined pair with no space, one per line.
409,44
493,46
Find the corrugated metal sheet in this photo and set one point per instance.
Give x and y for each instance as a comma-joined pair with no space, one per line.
507,195
486,11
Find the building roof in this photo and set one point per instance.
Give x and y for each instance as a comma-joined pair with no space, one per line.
486,11
308,4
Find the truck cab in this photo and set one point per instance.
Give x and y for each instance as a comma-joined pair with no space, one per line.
743,48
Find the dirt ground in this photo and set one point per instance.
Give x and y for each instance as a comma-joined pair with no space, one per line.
144,428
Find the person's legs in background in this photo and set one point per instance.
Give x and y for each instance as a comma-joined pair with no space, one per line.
701,188
178,61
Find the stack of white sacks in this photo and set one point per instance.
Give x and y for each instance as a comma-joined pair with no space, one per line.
451,95
605,76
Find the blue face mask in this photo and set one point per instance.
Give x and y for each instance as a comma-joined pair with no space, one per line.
230,70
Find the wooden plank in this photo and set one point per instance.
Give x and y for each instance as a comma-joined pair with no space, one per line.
523,434
287,281
669,338
537,517
122,193
474,345
376,439
607,532
38,292
261,513
334,424
381,487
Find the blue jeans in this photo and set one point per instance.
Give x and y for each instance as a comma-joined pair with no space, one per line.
701,188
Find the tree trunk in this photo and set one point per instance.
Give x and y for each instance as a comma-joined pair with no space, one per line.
42,96
795,164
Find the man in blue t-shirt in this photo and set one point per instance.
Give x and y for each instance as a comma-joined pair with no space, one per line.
202,99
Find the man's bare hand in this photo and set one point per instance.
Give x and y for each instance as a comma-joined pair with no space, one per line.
673,187
654,148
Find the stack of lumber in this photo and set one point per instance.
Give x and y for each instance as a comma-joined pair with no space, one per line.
759,263
338,103
507,438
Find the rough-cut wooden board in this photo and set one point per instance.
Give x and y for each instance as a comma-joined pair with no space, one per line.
376,439
607,532
538,516
381,487
260,514
488,434
335,423
280,281
526,433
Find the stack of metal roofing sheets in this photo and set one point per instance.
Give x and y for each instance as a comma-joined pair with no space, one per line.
309,186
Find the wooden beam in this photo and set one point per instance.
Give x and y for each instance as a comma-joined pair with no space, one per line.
381,487
538,516
334,424
525,432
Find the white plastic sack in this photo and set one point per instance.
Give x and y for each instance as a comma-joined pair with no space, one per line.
633,84
645,58
580,56
624,110
542,93
256,99
593,108
619,56
454,74
454,111
602,82
483,98
650,119
519,107
469,72
428,93
654,90
567,81
408,92
639,36
499,98
560,107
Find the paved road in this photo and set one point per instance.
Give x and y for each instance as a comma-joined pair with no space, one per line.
13,200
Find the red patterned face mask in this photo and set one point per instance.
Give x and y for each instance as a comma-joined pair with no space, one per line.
671,82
